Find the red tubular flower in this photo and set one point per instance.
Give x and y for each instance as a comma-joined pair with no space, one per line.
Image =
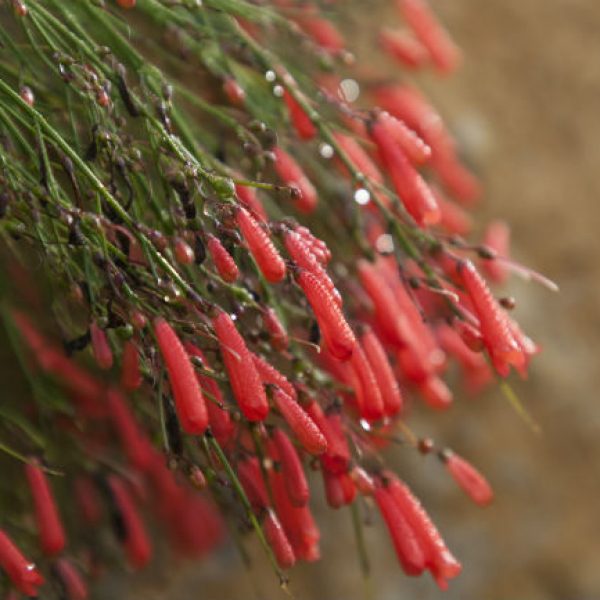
269,374
101,347
261,247
136,540
49,524
300,120
303,256
305,429
410,186
359,157
223,261
468,478
497,239
248,197
221,425
317,247
334,493
189,401
291,468
444,53
382,370
408,104
22,573
72,581
290,172
407,546
135,443
339,489
282,549
86,496
243,377
279,337
298,522
368,394
131,376
322,32
336,332
394,323
436,393
252,481
410,143
438,559
497,337
336,457
404,47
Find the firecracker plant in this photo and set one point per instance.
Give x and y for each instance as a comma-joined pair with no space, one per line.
223,272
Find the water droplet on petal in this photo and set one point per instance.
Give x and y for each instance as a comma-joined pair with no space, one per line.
326,150
349,90
385,244
362,196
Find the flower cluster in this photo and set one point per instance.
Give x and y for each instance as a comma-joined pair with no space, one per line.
261,275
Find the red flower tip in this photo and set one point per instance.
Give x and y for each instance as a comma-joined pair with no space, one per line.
184,254
305,429
336,457
49,524
261,247
438,559
244,378
290,172
368,394
72,581
300,120
234,91
406,543
226,268
291,468
443,51
249,198
101,347
414,192
279,337
22,573
189,401
468,478
404,48
382,370
282,549
495,330
136,540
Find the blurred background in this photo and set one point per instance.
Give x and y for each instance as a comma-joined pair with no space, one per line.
526,107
